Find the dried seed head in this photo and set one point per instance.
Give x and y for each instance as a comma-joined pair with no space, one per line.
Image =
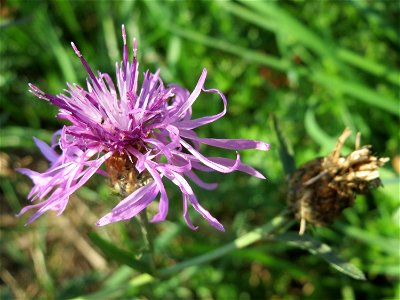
322,188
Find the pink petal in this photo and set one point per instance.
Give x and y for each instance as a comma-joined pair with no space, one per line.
131,205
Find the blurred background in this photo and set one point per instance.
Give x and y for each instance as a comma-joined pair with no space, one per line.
318,66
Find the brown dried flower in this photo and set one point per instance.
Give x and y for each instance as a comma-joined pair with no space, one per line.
320,189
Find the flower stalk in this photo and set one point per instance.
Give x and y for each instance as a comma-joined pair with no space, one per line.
277,224
148,239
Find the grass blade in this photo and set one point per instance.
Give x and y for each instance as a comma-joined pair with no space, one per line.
285,152
117,254
253,56
322,250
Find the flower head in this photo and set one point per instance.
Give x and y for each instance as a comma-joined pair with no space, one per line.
322,188
141,135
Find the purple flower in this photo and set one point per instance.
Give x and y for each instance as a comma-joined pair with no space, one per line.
140,136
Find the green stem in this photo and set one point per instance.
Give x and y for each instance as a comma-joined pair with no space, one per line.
148,239
245,240
278,223
241,242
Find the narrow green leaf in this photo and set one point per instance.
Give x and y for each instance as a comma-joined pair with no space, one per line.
260,255
262,232
52,42
322,250
285,153
350,88
77,284
358,91
119,276
70,18
388,245
372,67
110,38
248,15
348,292
21,137
239,243
258,57
117,254
289,25
10,195
316,133
271,17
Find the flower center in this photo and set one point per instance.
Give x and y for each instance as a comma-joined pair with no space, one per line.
124,177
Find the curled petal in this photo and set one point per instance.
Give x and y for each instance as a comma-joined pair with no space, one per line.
209,163
226,162
160,146
233,144
191,124
46,150
186,213
131,205
60,182
163,205
188,192
207,186
141,159
193,96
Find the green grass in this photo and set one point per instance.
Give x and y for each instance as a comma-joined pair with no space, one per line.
317,66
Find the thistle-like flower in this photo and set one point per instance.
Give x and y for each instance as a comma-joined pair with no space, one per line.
140,136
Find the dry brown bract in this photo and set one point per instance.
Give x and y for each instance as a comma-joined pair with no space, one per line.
322,188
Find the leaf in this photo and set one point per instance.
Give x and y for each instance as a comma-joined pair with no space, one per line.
249,55
113,252
285,153
322,250
261,256
21,137
53,43
271,17
357,91
384,244
315,131
284,23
